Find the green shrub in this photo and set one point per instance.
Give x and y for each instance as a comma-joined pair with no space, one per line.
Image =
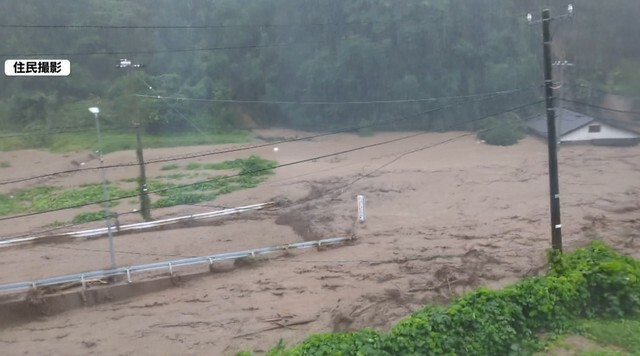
257,166
365,342
503,130
612,281
88,217
593,281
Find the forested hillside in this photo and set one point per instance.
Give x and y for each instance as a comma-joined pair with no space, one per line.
301,56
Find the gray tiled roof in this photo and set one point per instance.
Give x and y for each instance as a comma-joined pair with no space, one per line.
566,121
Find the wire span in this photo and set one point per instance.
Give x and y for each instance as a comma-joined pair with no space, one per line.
268,169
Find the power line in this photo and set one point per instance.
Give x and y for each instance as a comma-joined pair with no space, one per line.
181,50
184,117
360,102
599,107
600,90
267,169
223,26
401,155
243,148
405,154
160,27
166,98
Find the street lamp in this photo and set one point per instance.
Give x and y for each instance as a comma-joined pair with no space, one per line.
105,193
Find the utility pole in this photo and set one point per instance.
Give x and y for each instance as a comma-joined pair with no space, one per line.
145,204
554,185
552,137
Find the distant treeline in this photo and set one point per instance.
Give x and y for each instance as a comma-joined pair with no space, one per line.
302,54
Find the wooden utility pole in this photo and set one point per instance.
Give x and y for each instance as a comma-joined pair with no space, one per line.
552,141
145,204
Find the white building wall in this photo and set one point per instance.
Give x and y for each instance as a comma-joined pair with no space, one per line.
606,132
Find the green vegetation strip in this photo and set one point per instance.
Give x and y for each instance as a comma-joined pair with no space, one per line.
623,333
45,198
252,171
592,282
116,141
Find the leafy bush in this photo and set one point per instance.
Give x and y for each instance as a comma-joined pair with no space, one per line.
503,130
612,281
593,281
257,166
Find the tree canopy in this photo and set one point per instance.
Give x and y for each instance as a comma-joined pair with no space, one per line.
228,57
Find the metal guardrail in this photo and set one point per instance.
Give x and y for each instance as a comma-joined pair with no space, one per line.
167,265
139,226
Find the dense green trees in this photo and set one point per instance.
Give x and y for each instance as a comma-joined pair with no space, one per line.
299,51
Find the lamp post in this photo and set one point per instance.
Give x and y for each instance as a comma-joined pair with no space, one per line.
105,193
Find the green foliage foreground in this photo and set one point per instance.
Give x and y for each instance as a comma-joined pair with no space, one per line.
590,282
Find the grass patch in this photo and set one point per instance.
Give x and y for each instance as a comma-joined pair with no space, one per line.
175,176
600,353
15,143
169,167
118,141
252,170
9,205
235,164
193,166
57,224
252,165
45,198
88,217
624,333
5,164
366,132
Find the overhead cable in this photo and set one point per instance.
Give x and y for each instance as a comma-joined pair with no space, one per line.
267,169
250,147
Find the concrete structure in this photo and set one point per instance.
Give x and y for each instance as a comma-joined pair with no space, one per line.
573,127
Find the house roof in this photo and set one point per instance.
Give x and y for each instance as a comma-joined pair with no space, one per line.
566,120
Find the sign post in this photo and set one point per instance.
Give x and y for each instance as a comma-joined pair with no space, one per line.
362,214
